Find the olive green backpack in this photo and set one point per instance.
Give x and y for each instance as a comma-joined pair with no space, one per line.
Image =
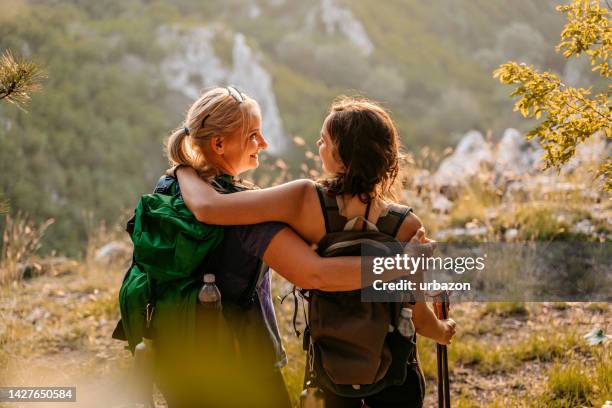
354,348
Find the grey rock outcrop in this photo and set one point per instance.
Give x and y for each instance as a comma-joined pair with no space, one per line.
515,156
192,64
593,150
471,153
340,20
512,158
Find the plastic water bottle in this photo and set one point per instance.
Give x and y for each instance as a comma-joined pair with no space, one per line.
405,325
218,345
209,313
209,296
143,372
312,397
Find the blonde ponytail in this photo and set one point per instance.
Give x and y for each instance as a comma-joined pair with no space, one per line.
176,148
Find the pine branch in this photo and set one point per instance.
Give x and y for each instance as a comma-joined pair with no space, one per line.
18,78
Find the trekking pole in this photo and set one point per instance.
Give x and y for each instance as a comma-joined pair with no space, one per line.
445,307
440,376
442,359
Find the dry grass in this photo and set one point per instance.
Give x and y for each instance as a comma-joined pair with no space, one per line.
20,240
505,309
56,331
568,386
506,367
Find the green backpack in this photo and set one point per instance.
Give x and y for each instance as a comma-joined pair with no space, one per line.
170,245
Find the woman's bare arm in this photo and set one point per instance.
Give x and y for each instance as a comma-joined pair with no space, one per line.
409,227
425,321
280,203
427,324
297,262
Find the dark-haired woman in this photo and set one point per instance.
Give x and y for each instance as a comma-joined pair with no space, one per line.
359,149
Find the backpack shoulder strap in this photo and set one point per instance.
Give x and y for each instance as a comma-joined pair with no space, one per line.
331,213
392,221
167,185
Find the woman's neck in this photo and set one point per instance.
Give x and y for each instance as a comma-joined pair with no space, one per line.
211,171
218,166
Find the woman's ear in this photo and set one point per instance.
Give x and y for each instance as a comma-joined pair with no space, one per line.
217,144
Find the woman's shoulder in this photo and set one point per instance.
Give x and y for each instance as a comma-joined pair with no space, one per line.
307,187
306,183
410,222
409,227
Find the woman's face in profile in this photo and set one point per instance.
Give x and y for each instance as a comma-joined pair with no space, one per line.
328,152
241,152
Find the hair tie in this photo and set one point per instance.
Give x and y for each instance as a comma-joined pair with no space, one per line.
186,130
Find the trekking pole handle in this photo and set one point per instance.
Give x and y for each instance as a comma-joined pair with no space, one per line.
441,305
445,305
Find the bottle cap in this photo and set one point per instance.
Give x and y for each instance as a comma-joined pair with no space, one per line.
209,278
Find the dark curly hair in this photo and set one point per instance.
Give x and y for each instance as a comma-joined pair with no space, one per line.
367,143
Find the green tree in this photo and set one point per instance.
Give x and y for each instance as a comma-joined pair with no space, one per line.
90,144
571,115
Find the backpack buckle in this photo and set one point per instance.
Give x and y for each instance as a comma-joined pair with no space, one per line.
149,314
